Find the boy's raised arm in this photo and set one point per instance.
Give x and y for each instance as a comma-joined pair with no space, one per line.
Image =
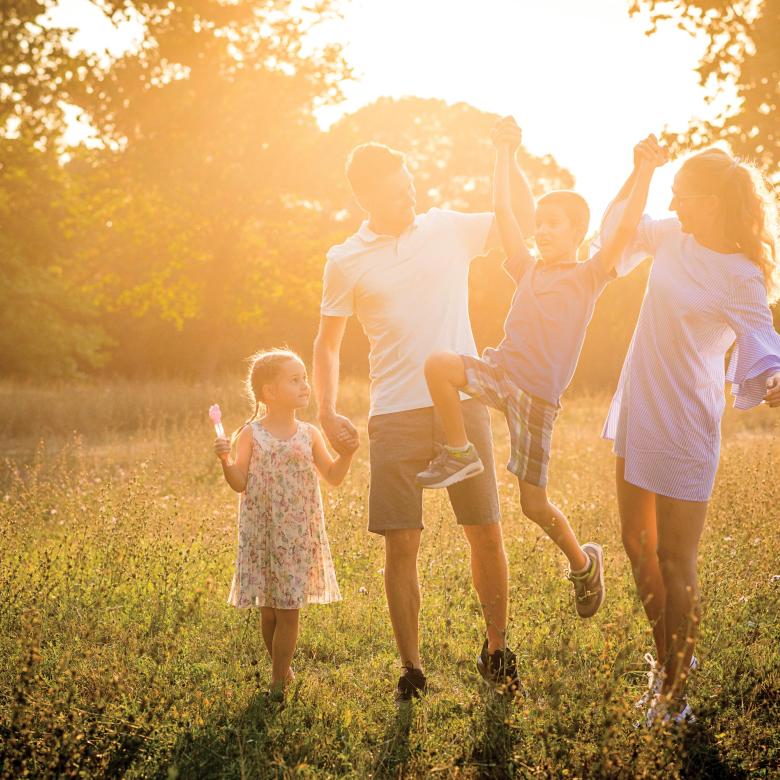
512,238
516,192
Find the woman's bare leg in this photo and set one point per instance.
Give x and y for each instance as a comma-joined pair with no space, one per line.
637,508
680,524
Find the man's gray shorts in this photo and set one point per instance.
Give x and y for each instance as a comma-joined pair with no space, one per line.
401,444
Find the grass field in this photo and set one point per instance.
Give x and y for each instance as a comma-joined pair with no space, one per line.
119,656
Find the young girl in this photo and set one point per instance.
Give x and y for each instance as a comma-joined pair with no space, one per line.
715,269
283,559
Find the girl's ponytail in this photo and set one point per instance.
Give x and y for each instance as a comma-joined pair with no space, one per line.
243,425
263,368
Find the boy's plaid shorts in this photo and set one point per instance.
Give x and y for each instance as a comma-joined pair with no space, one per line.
530,419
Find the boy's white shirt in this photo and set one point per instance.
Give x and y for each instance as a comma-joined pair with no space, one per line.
411,296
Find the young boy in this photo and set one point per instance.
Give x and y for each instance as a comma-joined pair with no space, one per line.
527,373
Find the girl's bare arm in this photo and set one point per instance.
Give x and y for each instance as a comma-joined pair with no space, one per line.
332,471
235,469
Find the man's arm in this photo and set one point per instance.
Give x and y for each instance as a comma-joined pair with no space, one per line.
340,431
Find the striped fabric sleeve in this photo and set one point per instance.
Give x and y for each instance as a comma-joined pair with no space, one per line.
649,234
757,351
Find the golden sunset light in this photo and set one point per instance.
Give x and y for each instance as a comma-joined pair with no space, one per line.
390,390
582,79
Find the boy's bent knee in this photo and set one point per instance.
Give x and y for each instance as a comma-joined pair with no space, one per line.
439,363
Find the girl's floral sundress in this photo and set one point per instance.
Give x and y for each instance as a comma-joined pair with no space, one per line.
283,556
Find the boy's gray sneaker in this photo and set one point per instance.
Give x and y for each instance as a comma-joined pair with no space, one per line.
589,586
450,466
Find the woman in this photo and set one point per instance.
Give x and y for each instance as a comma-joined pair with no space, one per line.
715,270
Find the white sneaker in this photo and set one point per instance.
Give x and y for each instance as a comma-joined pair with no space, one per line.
658,712
685,715
655,680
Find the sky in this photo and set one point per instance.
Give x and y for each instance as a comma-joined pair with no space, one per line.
580,76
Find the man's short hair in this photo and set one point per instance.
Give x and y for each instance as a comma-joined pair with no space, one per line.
574,206
368,162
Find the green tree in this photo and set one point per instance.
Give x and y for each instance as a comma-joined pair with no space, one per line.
48,324
39,71
742,53
210,124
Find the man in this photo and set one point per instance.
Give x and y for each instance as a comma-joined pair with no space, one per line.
405,276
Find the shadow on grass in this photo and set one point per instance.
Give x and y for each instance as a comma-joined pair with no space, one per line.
492,755
395,751
702,757
225,747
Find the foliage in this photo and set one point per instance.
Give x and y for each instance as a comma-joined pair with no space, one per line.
38,71
48,322
195,231
119,656
742,52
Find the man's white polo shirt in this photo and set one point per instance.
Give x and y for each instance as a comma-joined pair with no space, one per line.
411,296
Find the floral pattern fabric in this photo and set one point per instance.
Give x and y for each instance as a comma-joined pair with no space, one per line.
283,558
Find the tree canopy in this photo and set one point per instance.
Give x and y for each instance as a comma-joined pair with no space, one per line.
194,230
742,54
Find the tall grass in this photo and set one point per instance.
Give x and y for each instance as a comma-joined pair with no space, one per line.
119,657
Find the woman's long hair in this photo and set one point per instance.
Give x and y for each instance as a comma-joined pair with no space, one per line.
748,209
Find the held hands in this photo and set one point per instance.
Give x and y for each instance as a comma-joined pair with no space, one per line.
341,433
222,448
650,153
772,397
506,134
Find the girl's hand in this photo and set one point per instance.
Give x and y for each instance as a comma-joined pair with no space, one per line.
341,433
349,446
222,448
772,397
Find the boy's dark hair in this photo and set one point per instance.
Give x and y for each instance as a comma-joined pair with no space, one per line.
573,204
368,162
